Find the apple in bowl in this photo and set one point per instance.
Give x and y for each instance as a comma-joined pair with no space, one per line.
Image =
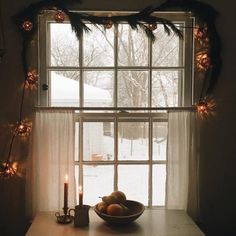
119,210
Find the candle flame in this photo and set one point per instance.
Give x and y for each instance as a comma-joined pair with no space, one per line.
80,189
66,178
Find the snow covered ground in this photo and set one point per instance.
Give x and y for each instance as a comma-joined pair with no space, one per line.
132,179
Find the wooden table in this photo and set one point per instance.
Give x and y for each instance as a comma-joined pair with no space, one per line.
158,222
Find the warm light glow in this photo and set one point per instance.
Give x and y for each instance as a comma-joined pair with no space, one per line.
80,195
66,178
152,26
31,80
27,26
201,35
59,17
203,61
8,169
80,189
23,128
206,108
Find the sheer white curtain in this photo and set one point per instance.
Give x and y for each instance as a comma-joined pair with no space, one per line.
182,184
52,156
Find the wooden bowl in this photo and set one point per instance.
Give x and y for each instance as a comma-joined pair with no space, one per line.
136,209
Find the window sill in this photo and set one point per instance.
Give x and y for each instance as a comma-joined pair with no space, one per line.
153,222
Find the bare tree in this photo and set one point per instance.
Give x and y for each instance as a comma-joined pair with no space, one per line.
133,49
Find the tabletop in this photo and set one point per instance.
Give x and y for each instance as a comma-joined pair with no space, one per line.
153,222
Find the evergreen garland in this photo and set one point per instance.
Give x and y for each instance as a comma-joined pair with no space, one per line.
205,14
77,21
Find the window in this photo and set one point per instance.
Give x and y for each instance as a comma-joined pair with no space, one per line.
116,76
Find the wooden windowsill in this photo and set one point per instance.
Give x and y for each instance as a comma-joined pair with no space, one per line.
156,222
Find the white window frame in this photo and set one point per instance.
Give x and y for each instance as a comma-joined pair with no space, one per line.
186,88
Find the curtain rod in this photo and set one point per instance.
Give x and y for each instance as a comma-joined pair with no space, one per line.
124,109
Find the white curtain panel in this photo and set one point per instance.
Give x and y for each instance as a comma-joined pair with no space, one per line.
180,155
52,157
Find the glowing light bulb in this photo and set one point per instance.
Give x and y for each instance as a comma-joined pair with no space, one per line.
27,25
205,108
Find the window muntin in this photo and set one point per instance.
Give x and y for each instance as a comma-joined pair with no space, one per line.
124,76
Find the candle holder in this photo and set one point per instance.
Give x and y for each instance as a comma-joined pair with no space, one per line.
65,218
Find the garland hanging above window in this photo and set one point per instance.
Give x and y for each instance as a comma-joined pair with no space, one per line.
207,48
27,21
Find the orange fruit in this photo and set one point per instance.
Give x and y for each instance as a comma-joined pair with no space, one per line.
115,210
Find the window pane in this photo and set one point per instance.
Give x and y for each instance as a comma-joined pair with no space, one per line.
133,181
77,184
98,140
167,49
132,88
98,182
64,46
98,47
159,185
132,47
159,140
165,88
77,141
98,88
132,141
64,88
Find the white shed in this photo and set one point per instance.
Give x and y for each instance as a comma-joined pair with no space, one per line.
65,92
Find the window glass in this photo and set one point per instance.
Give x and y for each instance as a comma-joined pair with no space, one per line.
133,141
64,46
165,88
167,49
98,47
98,88
98,141
64,88
133,88
159,185
132,46
133,180
159,137
77,129
98,182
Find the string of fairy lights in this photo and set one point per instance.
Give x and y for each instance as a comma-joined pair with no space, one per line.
23,127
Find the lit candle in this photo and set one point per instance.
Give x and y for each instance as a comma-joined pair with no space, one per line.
80,196
66,192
